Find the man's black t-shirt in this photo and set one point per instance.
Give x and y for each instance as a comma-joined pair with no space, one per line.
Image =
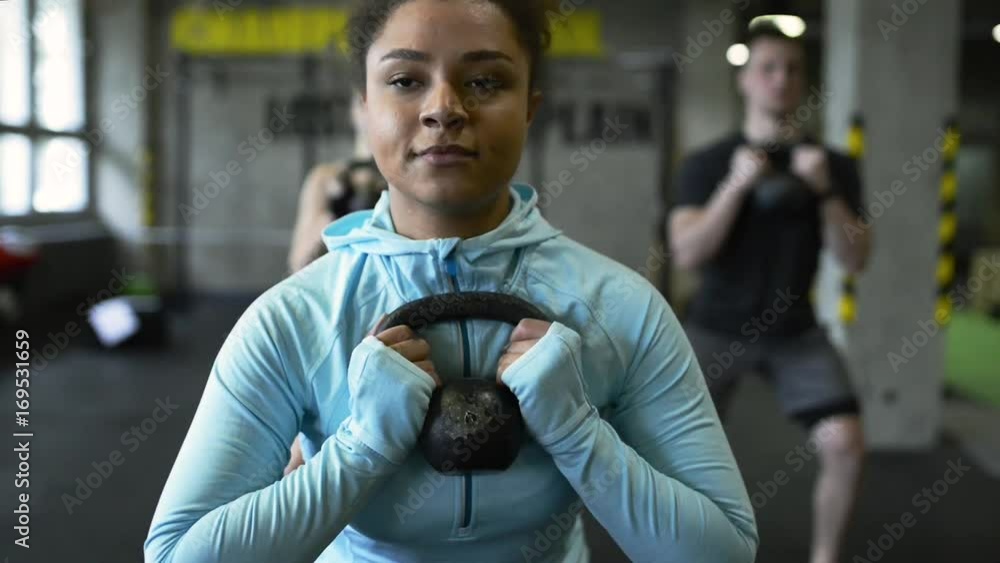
760,279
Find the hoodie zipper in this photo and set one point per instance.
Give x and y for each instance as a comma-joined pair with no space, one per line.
452,270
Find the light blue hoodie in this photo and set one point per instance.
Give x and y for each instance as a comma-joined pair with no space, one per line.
643,449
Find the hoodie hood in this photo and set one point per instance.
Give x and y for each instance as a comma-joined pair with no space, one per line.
372,232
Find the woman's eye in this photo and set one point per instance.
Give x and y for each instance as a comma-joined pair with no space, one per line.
487,84
403,82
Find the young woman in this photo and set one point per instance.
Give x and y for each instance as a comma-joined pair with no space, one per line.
616,406
333,190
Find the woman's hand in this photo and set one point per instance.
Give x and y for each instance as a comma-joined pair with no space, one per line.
406,343
390,378
296,458
526,334
542,367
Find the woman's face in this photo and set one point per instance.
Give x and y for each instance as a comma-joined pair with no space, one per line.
447,103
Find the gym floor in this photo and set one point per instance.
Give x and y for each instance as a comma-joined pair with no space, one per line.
85,399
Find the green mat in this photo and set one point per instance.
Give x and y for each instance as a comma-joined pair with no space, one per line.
141,284
973,357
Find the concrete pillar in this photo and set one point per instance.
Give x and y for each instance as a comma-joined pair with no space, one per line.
841,69
895,62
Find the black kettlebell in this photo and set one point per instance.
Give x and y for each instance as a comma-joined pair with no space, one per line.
472,424
780,190
356,197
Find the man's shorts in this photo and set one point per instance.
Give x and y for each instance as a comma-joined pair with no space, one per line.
811,380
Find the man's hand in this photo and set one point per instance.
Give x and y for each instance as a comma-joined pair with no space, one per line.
746,166
809,163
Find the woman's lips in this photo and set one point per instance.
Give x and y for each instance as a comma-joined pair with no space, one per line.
447,156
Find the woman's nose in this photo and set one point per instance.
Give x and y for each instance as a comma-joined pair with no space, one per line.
444,110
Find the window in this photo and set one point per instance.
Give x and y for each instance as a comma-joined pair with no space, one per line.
44,156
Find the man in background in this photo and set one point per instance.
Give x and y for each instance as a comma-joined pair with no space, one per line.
751,213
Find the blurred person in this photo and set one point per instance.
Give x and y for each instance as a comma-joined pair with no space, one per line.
332,190
752,212
450,90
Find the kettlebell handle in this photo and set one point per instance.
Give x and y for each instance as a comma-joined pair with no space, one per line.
461,305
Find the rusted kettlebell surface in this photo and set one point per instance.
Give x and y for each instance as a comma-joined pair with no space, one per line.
472,424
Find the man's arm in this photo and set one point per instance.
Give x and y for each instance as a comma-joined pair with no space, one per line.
845,236
840,185
697,232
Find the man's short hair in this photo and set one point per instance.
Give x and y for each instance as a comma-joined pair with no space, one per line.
767,30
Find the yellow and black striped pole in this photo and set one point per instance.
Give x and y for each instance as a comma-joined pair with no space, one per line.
947,224
848,308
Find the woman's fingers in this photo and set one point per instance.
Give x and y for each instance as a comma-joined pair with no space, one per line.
406,343
395,335
415,349
512,356
521,346
374,328
503,364
428,367
296,459
529,329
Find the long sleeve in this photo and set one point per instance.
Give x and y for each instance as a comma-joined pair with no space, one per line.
225,499
660,475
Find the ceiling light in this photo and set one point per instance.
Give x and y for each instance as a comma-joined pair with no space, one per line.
738,54
792,26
